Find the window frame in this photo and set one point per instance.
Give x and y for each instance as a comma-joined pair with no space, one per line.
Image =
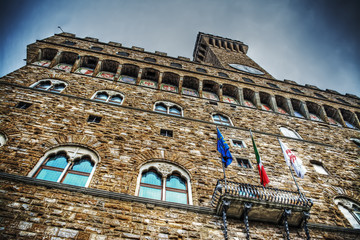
168,106
166,169
110,94
240,161
221,121
290,130
236,143
74,154
53,83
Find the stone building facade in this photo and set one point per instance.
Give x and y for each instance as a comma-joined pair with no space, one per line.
102,141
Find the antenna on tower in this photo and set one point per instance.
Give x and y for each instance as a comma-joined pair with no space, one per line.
60,29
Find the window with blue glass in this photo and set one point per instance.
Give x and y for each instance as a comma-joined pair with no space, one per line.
164,181
220,119
51,85
168,108
69,164
109,96
176,190
151,185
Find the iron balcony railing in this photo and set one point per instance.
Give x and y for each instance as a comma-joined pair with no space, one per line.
259,193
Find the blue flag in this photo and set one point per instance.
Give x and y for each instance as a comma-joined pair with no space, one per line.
224,149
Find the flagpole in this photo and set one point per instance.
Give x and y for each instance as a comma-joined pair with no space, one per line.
223,165
291,172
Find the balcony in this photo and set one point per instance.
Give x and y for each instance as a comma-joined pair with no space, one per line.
267,204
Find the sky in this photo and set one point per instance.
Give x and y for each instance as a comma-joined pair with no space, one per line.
313,42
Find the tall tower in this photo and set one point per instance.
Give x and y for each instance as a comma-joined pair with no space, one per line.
225,53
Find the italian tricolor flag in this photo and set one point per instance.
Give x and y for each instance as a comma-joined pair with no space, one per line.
263,176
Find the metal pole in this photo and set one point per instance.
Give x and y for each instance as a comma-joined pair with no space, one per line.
297,186
223,165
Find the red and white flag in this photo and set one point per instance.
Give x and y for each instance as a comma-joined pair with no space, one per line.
290,158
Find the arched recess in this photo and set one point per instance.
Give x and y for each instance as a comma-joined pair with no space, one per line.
230,94
190,86
210,90
170,82
108,69
66,61
129,73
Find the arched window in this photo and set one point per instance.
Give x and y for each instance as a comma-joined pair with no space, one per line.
164,181
109,96
51,85
2,139
151,185
72,165
350,210
168,108
289,133
221,119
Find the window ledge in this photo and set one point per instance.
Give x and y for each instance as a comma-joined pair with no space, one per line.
105,194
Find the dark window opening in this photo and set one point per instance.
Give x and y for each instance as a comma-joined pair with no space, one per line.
320,96
242,162
248,80
177,65
70,43
68,58
130,70
201,70
94,119
149,59
273,85
23,105
238,143
96,48
221,74
166,133
296,90
125,54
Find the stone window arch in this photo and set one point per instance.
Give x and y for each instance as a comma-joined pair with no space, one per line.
129,73
221,119
164,181
190,86
230,94
66,61
149,77
3,139
52,85
170,82
349,118
45,57
265,101
87,65
108,69
289,133
350,210
315,111
109,96
69,164
333,115
249,98
210,90
168,108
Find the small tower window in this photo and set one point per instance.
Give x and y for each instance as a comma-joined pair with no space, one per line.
177,65
296,90
124,54
149,59
96,48
201,70
166,133
248,80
